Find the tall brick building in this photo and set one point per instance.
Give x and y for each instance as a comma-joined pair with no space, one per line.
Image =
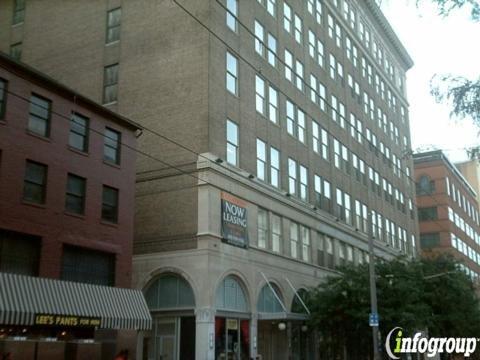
448,211
290,124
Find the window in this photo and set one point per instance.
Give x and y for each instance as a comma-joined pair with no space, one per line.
19,253
88,266
259,38
39,118
75,195
272,50
301,127
299,76
16,51
305,234
261,160
262,228
272,105
298,29
274,167
110,204
293,239
429,240
287,17
232,74
113,25
325,145
35,182
110,84
260,100
288,65
232,143
427,214
271,7
290,111
337,154
18,12
292,176
3,98
78,137
232,12
111,146
315,137
276,232
303,183
425,186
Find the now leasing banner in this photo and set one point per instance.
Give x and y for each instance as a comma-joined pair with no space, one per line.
234,221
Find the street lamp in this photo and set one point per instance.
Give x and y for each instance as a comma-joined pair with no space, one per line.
373,289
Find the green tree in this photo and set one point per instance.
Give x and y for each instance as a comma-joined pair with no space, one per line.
415,295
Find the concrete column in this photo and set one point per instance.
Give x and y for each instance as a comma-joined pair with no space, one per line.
254,335
205,334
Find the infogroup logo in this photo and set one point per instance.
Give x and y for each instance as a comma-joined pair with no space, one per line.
430,346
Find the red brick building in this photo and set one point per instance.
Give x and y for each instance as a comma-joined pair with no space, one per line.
67,177
448,211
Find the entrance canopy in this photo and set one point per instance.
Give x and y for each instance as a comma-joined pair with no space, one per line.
26,300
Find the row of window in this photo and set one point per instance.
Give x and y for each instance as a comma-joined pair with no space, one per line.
463,225
267,104
35,190
299,246
40,119
20,254
462,201
293,24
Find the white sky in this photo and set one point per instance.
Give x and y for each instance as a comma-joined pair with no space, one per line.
437,45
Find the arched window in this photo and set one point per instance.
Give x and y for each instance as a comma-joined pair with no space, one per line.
230,295
267,301
425,185
170,292
297,306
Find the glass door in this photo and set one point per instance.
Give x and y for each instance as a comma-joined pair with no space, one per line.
231,339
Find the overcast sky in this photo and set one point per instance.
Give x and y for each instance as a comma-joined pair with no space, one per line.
437,45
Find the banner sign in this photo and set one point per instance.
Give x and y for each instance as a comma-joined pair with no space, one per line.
66,320
234,221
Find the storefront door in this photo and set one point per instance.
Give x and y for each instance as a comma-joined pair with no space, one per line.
232,339
161,341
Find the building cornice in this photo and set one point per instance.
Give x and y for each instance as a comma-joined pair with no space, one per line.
389,32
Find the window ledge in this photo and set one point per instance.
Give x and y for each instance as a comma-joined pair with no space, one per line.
75,215
108,223
109,163
29,203
75,150
38,136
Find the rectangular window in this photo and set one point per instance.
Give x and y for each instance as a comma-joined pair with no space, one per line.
292,176
272,50
261,160
110,204
232,74
315,137
35,182
271,7
293,239
16,51
39,118
19,253
3,98
287,17
288,65
325,145
231,15
110,84
272,104
78,137
260,100
299,76
303,183
113,25
427,214
429,240
290,111
301,126
88,266
298,29
18,12
262,228
274,167
259,38
232,143
305,234
75,195
276,232
111,146
337,154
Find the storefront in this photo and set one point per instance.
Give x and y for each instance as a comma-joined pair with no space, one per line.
52,319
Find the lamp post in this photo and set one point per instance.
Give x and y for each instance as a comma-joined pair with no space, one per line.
373,288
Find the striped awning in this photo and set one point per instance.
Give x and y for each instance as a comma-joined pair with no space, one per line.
22,298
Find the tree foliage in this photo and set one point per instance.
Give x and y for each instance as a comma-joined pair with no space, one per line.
408,296
446,7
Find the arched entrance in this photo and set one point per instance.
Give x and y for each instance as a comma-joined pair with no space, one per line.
171,300
232,324
272,327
